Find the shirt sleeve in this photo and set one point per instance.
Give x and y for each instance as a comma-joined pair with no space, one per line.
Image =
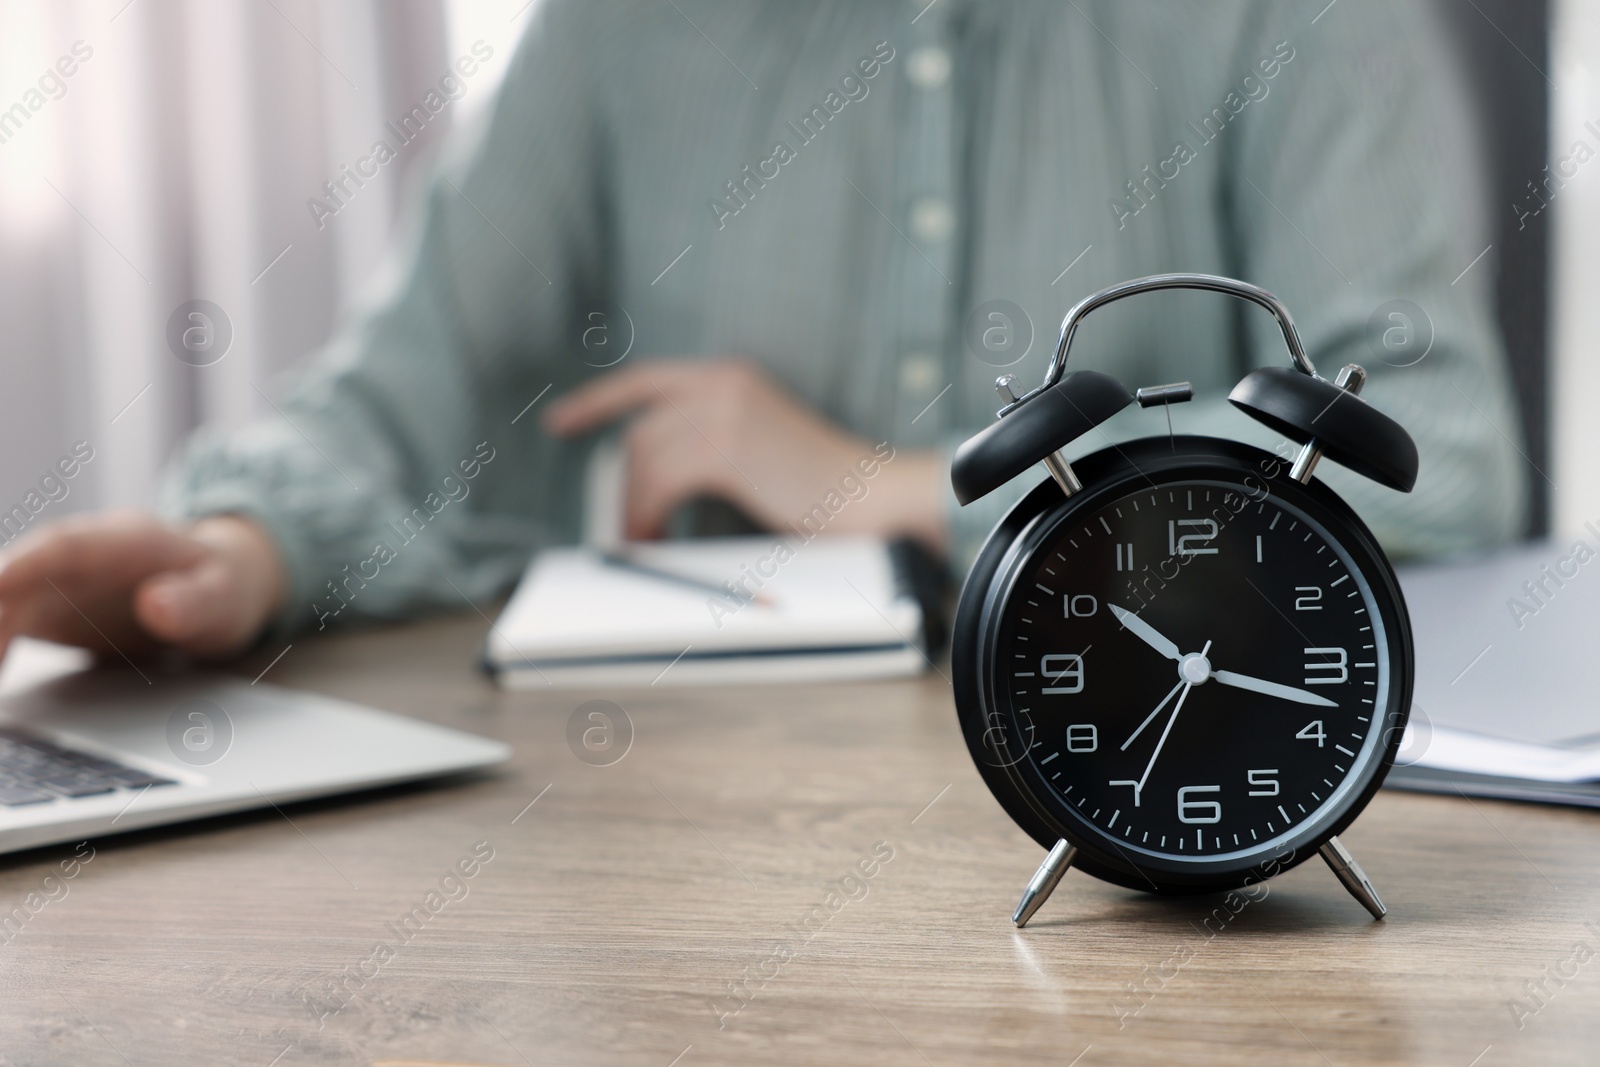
398,472
1350,193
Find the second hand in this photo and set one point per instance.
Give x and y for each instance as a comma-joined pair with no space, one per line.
1139,787
1147,719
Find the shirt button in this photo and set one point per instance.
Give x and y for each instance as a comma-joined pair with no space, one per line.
928,68
919,373
932,220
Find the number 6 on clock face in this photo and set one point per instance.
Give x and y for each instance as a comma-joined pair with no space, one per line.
1199,811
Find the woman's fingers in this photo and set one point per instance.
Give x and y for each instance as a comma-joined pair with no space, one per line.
123,582
668,464
197,609
101,550
216,606
172,605
611,396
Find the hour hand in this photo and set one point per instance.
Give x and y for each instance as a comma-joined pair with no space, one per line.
1272,689
1145,632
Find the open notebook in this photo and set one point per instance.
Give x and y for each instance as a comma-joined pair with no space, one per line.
829,609
1505,703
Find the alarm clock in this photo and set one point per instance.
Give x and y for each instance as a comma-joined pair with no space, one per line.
1181,664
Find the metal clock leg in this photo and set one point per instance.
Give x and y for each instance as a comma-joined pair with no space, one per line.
1044,882
1350,873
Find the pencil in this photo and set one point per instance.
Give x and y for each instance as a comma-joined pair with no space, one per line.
624,561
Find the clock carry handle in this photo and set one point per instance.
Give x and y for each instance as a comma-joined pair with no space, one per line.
1154,283
1294,401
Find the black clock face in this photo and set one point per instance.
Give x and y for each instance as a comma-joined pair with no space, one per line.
1197,672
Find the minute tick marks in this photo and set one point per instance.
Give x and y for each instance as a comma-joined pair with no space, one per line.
1166,750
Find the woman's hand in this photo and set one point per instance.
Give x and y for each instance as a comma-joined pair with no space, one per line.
126,583
722,428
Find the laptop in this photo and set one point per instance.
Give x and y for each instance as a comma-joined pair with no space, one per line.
89,752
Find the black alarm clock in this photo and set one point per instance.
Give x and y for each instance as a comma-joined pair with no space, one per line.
1181,664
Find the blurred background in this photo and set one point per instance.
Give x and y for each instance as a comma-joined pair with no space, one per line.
185,156
176,163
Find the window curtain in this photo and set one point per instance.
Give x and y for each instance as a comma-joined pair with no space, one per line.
163,261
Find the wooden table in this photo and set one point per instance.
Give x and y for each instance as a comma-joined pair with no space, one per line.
628,913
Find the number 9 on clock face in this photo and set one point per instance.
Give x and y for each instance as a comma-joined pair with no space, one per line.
1187,671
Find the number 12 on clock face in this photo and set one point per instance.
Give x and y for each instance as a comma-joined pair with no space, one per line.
1185,537
1188,537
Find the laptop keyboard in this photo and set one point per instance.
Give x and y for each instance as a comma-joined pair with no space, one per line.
36,771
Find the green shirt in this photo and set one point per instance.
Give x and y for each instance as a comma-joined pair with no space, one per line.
841,192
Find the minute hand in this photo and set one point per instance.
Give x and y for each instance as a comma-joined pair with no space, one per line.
1272,689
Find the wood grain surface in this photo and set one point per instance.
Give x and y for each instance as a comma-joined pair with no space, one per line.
674,908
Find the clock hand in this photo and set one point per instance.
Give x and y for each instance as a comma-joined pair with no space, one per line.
1145,632
1152,715
1138,787
1272,689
